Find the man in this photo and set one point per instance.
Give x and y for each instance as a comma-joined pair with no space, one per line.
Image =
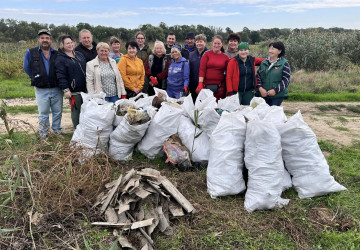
189,46
39,64
87,47
170,41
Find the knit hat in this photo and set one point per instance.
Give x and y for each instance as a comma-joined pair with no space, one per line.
44,31
190,35
243,45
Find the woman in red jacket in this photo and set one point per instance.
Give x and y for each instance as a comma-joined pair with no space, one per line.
240,75
212,69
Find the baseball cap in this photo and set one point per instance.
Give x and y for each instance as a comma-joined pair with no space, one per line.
44,31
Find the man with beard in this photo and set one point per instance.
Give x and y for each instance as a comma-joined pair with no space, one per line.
87,47
39,64
170,41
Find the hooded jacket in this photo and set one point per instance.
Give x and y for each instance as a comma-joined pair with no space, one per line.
132,72
178,75
93,77
71,72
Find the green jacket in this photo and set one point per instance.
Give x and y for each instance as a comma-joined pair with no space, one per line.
144,53
271,78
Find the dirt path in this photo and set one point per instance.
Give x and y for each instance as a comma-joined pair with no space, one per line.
340,126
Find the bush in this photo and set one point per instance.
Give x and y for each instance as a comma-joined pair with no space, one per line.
323,50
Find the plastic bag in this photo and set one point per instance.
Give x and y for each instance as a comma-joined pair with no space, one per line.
266,168
205,99
177,154
224,172
121,107
230,103
304,159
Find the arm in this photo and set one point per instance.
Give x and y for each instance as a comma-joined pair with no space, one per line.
202,70
259,85
258,61
26,64
140,84
122,66
147,68
186,74
229,76
286,75
90,75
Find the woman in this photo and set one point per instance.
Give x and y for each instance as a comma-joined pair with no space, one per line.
70,71
102,75
273,76
132,70
115,49
156,68
194,60
240,74
143,51
178,75
233,41
212,69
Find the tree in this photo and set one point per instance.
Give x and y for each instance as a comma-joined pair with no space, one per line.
254,37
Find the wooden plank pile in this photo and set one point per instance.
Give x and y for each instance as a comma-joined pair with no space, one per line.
142,200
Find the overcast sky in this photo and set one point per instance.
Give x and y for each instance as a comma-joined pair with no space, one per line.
236,14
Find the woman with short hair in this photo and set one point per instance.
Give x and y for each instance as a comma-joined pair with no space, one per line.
233,41
115,48
70,71
102,75
132,70
213,69
178,75
156,68
273,76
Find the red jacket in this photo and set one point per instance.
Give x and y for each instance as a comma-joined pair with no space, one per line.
233,75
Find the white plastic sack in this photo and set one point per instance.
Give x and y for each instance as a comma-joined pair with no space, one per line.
224,172
262,110
205,99
118,118
266,168
188,107
163,93
199,147
208,119
256,101
124,138
304,159
229,103
275,114
163,125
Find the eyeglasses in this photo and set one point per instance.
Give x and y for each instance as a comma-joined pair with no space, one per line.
140,38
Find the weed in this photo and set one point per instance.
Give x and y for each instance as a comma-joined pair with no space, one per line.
342,120
340,128
28,109
355,109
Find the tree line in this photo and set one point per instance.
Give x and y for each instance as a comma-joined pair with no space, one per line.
13,31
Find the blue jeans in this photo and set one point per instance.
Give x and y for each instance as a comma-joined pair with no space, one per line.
112,99
46,99
274,101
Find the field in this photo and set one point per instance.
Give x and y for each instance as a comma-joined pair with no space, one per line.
46,195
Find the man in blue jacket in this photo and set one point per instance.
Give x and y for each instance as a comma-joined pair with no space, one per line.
39,64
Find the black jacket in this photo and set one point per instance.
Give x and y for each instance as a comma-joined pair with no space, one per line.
89,54
71,72
39,76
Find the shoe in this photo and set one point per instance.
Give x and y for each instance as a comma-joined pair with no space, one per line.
44,136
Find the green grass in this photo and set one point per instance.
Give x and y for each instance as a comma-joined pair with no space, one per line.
327,97
28,109
340,128
16,88
355,109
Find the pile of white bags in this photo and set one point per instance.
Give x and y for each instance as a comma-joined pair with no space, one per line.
304,159
224,172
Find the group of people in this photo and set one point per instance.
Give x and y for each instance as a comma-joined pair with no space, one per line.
101,67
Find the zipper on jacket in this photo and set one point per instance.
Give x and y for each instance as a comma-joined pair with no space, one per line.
245,76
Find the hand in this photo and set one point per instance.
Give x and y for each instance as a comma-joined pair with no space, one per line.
200,87
68,94
186,91
271,92
123,97
136,91
154,81
263,92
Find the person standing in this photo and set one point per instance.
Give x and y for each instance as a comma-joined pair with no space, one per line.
102,75
189,46
170,41
240,74
39,64
144,50
87,46
273,76
233,41
213,69
70,71
194,60
115,49
156,68
178,75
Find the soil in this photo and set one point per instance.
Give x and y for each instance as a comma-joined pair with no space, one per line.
339,126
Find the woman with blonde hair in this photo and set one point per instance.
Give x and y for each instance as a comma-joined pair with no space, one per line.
156,68
102,75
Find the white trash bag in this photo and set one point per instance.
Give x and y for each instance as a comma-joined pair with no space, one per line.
304,159
163,125
265,167
224,171
230,103
199,147
275,114
205,99
208,119
121,107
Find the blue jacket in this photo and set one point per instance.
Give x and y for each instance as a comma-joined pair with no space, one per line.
71,72
178,75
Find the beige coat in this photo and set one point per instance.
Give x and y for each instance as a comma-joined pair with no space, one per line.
93,77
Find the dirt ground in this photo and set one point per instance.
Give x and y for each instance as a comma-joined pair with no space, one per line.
340,126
